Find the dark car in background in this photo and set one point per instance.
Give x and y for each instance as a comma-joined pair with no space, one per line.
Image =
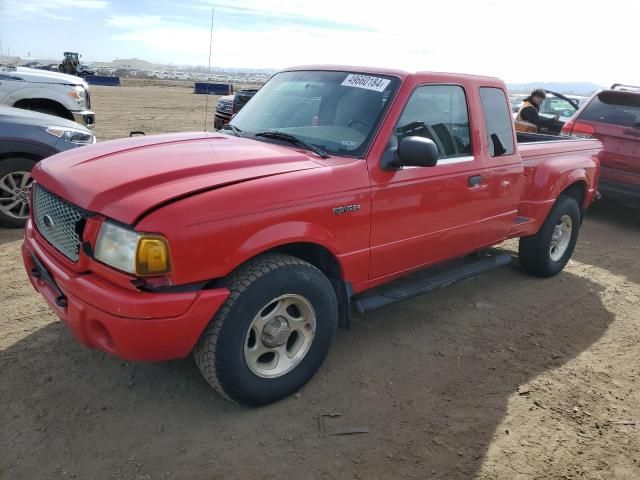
613,116
229,105
27,137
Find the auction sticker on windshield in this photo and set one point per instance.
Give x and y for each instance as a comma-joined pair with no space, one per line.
365,81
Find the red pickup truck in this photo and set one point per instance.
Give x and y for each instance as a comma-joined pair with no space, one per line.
334,187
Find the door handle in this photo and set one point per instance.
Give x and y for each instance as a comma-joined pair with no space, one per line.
475,181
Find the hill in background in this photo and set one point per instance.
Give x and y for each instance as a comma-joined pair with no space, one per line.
575,88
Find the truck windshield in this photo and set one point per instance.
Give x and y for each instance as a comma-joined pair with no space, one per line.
338,112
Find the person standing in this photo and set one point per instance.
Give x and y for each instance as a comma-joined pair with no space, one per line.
529,119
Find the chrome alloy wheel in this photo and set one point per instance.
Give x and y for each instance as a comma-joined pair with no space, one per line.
561,238
14,194
280,336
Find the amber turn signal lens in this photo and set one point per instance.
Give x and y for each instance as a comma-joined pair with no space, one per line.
152,257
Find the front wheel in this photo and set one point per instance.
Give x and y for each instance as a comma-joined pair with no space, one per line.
15,184
546,253
272,333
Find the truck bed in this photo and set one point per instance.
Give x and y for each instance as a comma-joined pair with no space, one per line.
535,144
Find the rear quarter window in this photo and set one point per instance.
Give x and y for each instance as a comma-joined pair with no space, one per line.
615,108
498,121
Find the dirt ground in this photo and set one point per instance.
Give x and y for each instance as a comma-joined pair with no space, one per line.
500,377
151,106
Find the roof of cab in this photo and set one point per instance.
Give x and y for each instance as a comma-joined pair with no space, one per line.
388,71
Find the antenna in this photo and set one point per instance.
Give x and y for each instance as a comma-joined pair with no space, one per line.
206,104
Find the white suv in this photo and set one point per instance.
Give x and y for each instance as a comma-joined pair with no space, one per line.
54,93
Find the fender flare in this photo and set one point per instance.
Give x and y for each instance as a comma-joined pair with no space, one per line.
33,93
573,177
287,233
33,150
308,234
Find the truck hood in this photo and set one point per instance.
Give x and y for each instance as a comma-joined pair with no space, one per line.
43,76
123,179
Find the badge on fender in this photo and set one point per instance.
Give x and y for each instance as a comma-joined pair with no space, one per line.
346,208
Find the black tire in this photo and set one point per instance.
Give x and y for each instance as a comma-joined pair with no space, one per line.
535,251
219,353
7,167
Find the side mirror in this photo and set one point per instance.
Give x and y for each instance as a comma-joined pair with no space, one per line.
416,152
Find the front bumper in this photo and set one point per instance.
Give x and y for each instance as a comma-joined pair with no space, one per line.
621,192
220,119
85,117
129,324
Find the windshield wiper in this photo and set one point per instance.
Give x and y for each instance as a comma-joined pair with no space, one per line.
228,126
287,137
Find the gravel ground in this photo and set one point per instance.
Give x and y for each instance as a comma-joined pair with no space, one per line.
500,377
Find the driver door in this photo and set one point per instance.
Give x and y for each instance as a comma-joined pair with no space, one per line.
422,215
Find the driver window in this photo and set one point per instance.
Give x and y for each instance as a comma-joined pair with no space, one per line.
438,112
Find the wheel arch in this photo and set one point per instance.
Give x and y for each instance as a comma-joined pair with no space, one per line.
28,155
33,150
578,191
317,255
46,103
325,260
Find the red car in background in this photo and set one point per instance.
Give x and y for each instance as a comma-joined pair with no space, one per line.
613,116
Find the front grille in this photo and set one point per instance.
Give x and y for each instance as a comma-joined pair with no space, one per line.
225,106
58,221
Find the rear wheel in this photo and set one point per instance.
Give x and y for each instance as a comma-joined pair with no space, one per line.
273,332
546,253
15,185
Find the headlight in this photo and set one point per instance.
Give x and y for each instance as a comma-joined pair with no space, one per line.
72,135
79,94
132,252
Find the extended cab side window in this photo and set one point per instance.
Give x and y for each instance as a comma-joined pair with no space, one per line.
499,122
438,112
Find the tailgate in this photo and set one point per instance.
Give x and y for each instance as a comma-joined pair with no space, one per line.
621,147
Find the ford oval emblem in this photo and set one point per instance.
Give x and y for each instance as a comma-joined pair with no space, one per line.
48,221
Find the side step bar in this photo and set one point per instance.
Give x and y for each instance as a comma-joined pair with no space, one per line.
429,280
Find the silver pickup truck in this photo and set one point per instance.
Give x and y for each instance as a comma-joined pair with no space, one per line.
54,93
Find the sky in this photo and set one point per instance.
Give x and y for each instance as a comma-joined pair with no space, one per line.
518,41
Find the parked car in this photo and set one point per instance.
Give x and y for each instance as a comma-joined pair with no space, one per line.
65,96
26,138
563,106
613,116
555,105
515,101
229,105
86,70
328,189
